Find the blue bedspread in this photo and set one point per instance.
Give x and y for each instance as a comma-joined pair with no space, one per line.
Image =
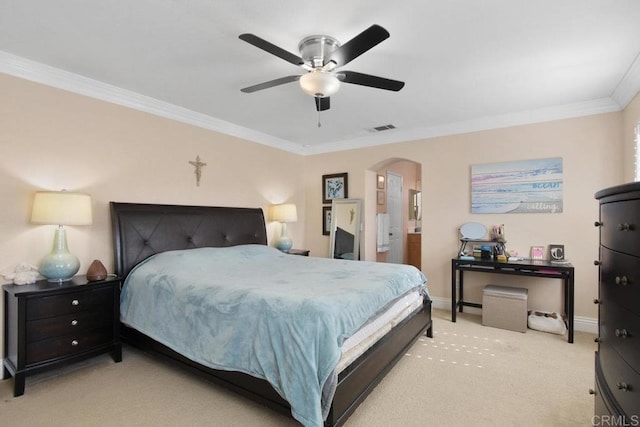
254,309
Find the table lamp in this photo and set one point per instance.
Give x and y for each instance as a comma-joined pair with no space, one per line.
60,208
284,213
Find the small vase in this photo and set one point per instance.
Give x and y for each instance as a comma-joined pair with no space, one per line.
96,271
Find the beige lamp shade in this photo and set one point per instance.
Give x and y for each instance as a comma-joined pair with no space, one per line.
61,208
284,213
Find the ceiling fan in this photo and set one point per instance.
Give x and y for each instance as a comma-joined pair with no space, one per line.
320,56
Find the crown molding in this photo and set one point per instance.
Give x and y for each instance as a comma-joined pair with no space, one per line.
41,73
597,106
65,80
629,86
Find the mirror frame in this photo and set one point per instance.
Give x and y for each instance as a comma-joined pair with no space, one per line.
335,205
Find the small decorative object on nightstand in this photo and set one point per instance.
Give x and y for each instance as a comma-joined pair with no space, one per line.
96,271
302,252
48,325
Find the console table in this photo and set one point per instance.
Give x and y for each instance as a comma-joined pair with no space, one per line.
544,269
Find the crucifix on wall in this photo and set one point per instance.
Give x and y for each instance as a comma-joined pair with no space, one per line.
197,164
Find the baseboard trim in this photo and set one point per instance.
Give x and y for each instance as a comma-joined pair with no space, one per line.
582,324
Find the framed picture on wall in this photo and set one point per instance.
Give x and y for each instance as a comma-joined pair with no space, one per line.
380,183
380,197
334,186
326,220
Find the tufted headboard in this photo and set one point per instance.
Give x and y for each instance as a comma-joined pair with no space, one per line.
142,230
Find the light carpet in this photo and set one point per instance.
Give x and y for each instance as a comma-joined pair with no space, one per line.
467,374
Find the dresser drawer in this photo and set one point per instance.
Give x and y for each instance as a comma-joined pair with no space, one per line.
69,324
67,303
620,279
620,377
67,345
620,229
621,329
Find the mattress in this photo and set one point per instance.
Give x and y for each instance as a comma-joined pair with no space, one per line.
358,343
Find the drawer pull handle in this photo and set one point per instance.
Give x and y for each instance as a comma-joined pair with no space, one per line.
75,302
74,322
625,227
74,343
623,386
622,333
598,224
622,280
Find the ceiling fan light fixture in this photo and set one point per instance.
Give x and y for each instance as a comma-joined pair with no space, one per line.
319,83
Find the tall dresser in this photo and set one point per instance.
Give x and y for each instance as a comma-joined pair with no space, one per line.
617,365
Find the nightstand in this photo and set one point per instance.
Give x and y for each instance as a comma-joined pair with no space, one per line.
49,325
302,252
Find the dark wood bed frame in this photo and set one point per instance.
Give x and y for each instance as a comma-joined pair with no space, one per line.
141,230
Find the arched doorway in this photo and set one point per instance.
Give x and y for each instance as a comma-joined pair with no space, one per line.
411,178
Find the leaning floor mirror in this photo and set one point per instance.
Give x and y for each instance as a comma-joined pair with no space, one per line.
345,229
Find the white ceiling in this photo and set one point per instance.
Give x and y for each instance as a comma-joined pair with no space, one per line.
468,65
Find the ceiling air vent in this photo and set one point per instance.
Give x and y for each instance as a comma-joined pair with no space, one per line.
382,128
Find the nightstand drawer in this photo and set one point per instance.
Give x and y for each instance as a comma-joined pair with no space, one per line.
68,344
70,324
70,302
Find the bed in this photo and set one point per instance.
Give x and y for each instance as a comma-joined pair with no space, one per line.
144,232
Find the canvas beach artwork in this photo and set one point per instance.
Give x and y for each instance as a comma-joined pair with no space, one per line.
527,186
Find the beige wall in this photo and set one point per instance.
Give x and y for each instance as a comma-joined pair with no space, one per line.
630,118
592,152
51,139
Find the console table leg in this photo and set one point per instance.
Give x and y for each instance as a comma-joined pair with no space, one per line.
571,305
453,291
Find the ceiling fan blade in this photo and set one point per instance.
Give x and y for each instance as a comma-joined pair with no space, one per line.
369,80
271,83
322,104
271,48
358,45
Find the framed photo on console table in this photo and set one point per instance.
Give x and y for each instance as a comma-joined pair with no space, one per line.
537,252
556,253
334,186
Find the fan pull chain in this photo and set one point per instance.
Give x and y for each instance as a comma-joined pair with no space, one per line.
318,109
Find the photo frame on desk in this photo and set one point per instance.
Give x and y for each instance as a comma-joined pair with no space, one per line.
537,253
556,252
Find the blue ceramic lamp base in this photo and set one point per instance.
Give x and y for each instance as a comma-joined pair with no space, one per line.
60,265
284,243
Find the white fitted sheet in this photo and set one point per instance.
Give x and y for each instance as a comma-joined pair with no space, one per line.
354,346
